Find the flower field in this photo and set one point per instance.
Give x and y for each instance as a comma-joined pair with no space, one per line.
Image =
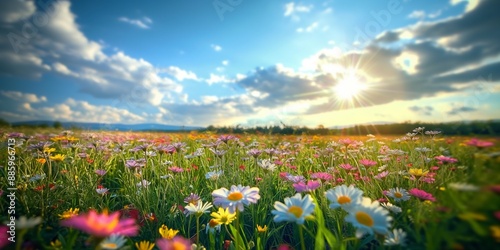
124,190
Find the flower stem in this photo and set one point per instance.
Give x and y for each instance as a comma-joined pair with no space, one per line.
301,235
197,230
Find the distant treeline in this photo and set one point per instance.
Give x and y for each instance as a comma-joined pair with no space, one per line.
453,128
491,127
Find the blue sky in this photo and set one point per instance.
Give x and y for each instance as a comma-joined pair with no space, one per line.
229,62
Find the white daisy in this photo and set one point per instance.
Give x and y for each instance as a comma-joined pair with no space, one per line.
237,197
369,217
395,237
398,194
295,209
344,197
393,208
267,164
198,209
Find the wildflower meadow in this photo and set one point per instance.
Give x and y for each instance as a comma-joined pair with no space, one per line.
144,190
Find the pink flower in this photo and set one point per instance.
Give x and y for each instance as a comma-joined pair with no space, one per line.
310,186
497,215
100,172
479,144
446,159
347,167
381,175
421,194
176,169
322,176
4,236
177,243
367,163
102,225
346,142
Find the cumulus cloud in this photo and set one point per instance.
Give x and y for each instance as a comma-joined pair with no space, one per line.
16,10
23,97
180,74
74,110
144,23
59,46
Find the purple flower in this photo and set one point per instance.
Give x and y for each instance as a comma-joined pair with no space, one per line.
100,172
310,186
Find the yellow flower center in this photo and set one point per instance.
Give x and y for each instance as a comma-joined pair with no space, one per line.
235,196
364,219
213,223
343,200
295,210
398,195
178,246
109,245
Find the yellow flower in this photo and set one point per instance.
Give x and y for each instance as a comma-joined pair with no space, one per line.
57,157
144,245
48,150
417,172
69,213
56,244
442,188
167,233
472,216
495,232
41,160
223,216
261,229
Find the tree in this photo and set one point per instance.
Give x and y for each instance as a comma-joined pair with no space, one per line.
57,125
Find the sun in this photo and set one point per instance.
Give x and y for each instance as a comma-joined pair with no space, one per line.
349,87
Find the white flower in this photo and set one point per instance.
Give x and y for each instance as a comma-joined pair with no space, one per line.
398,194
389,206
198,209
24,223
344,197
267,165
463,186
295,209
237,197
113,242
369,217
395,237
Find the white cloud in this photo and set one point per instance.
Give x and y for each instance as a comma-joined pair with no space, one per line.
117,76
471,4
23,97
144,23
291,9
218,79
180,74
77,111
225,62
309,28
16,10
216,47
417,14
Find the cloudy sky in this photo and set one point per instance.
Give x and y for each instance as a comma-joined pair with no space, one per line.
249,62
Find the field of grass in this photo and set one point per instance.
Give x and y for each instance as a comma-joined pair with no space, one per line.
123,190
